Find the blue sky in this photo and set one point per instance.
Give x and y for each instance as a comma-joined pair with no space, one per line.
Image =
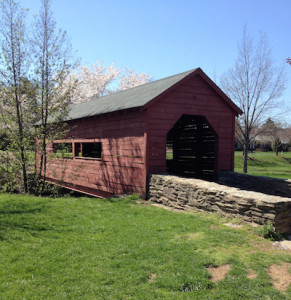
165,37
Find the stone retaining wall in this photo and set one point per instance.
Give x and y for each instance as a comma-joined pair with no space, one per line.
185,193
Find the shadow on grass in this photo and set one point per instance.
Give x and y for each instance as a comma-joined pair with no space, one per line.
260,184
20,216
287,159
124,199
19,211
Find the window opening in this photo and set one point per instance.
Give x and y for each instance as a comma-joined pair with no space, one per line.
88,150
63,150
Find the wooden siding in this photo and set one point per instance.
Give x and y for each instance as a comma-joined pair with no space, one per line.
134,142
193,97
121,168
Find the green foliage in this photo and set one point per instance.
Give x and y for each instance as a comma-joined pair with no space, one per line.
268,232
56,191
11,180
10,173
32,82
88,248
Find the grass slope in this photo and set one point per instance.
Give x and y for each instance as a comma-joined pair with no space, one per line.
86,248
266,164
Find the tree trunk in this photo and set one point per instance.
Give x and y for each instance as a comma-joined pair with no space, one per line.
246,153
20,135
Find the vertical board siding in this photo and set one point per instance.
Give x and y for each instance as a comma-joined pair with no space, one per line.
121,168
193,97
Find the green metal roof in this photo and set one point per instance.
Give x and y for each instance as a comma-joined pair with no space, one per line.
131,98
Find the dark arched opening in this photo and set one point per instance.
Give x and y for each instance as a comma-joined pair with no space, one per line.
191,148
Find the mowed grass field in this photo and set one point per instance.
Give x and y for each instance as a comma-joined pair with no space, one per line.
88,248
266,164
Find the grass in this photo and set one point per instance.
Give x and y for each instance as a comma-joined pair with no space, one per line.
266,164
87,248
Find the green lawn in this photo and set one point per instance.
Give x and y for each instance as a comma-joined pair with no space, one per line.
87,248
266,164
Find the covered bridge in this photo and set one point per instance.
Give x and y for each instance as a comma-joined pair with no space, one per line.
183,125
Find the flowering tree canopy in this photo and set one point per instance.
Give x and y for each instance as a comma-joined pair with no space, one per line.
131,78
97,80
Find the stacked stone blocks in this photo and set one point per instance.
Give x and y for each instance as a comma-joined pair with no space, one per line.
189,194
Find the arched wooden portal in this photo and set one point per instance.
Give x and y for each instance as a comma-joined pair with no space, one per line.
192,148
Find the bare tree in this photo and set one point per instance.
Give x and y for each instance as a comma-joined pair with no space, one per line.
14,68
254,84
53,62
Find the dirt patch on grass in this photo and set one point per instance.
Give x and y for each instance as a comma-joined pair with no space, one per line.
268,246
281,277
218,273
189,236
152,277
194,235
260,245
233,225
182,210
213,226
251,274
283,245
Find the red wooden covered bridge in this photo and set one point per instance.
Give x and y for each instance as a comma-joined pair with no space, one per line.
183,125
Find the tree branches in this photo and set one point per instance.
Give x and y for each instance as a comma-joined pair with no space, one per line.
13,69
255,84
32,74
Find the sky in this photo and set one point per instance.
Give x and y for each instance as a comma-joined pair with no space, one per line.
166,37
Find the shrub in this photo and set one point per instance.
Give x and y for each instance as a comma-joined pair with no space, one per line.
268,232
10,178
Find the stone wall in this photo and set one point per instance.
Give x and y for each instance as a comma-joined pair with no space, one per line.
185,193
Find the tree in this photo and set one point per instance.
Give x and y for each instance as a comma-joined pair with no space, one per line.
273,130
277,145
93,81
97,80
14,66
131,78
52,64
254,84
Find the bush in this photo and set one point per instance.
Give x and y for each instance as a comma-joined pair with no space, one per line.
11,180
10,173
268,232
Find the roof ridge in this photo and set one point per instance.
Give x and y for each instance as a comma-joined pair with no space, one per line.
135,87
141,96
